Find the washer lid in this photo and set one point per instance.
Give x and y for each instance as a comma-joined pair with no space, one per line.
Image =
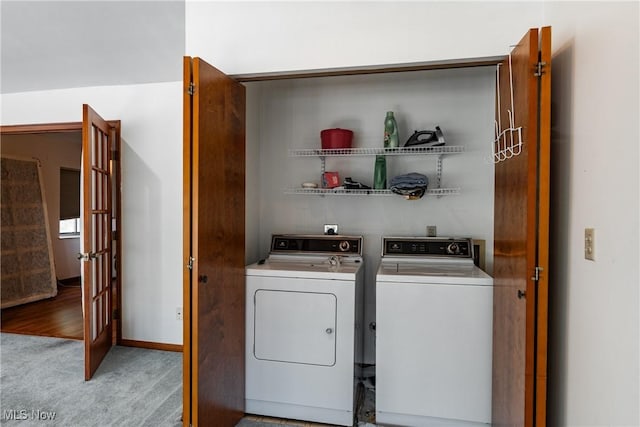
307,267
433,273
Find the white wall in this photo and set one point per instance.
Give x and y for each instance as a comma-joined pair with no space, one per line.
253,251
252,37
152,191
54,152
594,335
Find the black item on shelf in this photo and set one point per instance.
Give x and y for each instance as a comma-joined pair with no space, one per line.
349,184
432,138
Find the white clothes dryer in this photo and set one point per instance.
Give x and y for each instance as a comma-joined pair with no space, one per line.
434,316
304,335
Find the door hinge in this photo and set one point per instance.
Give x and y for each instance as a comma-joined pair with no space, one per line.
116,314
114,235
539,69
190,263
536,274
115,156
192,88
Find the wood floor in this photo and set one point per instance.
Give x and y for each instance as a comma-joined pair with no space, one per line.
60,316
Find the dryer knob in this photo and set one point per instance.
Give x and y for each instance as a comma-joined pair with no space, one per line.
344,245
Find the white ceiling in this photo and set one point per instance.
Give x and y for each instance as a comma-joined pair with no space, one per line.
63,44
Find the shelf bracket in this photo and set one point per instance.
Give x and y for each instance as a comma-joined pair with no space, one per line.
439,171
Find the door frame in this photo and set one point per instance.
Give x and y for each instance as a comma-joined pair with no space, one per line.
50,128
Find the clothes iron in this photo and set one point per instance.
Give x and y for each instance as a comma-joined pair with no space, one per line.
432,138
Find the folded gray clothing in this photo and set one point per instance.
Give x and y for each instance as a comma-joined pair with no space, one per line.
409,181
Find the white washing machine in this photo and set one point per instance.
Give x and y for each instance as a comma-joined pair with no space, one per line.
434,316
304,333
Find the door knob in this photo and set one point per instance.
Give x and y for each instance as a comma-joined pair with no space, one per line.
203,279
521,294
87,256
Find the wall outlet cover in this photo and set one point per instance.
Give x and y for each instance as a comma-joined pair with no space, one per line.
331,229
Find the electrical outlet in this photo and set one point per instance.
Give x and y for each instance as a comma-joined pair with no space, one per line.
589,244
331,229
178,313
431,231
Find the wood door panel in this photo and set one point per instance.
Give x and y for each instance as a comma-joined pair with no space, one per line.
216,231
97,140
544,197
187,319
515,243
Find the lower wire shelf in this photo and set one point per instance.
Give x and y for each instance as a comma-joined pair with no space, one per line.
363,192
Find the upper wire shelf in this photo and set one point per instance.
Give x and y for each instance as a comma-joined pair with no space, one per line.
309,152
366,192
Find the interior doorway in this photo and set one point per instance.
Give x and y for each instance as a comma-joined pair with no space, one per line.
59,146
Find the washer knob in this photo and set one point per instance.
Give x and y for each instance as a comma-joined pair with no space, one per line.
344,245
453,249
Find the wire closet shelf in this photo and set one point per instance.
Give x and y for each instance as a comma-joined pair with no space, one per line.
437,151
400,151
365,192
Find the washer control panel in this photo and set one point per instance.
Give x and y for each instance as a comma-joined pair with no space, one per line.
325,244
427,247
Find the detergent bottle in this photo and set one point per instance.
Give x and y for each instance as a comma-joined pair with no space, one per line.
380,173
390,131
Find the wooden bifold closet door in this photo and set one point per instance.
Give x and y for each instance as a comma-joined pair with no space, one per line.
214,246
521,237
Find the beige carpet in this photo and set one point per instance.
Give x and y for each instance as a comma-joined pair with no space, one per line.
42,384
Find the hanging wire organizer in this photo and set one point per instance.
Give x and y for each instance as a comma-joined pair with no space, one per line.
508,142
399,151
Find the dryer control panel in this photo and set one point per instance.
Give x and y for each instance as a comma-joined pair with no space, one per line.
427,247
309,244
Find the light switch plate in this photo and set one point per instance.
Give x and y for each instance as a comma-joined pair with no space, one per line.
589,244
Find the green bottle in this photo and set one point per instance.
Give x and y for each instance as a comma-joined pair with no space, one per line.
380,173
390,131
